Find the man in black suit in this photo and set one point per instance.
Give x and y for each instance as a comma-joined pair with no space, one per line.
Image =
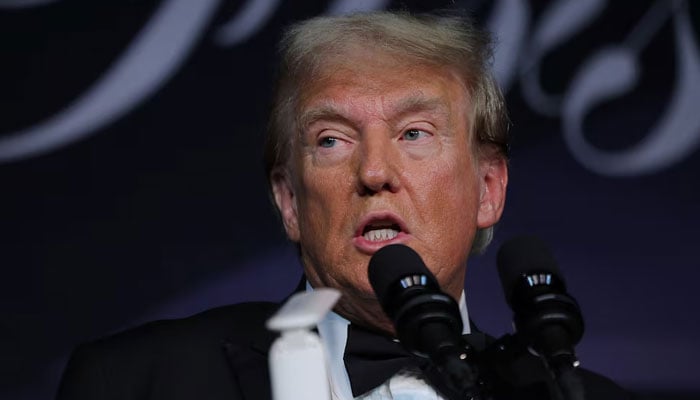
386,128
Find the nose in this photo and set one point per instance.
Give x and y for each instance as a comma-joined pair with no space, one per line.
378,165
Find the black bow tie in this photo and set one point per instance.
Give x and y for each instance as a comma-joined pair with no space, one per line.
372,358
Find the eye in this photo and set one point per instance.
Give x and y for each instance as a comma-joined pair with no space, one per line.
414,134
327,142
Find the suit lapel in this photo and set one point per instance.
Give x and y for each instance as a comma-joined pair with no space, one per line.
249,365
247,352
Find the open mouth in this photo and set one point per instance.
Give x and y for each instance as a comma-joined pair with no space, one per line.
381,227
380,231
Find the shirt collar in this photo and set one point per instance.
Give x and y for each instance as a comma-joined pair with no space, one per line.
333,330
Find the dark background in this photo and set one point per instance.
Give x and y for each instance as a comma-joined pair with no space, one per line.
145,198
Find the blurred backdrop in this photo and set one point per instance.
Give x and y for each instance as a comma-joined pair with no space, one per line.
132,187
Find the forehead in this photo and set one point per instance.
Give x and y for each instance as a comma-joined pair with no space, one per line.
368,80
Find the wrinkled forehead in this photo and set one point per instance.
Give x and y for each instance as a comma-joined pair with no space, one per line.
367,64
372,72
361,57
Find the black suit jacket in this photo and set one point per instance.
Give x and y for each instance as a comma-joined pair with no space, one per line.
220,354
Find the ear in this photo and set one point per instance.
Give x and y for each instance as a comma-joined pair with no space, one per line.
493,180
283,192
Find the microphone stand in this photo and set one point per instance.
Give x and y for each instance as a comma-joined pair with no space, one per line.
458,374
557,352
485,371
564,371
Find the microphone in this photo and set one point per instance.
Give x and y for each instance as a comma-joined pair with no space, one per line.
411,297
545,316
427,320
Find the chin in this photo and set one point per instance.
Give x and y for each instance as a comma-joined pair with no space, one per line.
367,313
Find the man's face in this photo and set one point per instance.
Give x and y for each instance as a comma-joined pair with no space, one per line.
385,157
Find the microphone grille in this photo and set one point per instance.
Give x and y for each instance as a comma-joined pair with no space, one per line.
523,255
392,263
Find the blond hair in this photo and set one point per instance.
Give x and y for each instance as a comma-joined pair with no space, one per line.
441,40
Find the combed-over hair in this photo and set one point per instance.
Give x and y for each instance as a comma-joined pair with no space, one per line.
441,40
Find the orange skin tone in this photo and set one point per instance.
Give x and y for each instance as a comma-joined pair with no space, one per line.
385,142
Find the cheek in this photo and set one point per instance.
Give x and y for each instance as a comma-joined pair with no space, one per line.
452,204
449,212
321,203
455,187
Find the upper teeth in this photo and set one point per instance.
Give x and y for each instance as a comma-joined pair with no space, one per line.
380,234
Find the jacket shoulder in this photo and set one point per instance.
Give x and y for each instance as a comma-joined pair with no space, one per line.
151,356
596,386
237,321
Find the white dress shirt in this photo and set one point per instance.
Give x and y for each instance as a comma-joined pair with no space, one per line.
407,384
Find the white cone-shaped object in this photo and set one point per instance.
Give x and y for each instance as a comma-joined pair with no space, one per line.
297,358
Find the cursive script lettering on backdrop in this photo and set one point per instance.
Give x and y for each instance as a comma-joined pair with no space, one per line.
149,61
614,71
164,43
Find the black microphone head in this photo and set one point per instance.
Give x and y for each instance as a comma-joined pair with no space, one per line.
425,318
523,255
392,263
545,316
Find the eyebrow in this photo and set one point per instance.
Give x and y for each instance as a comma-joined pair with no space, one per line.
421,103
327,111
331,111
